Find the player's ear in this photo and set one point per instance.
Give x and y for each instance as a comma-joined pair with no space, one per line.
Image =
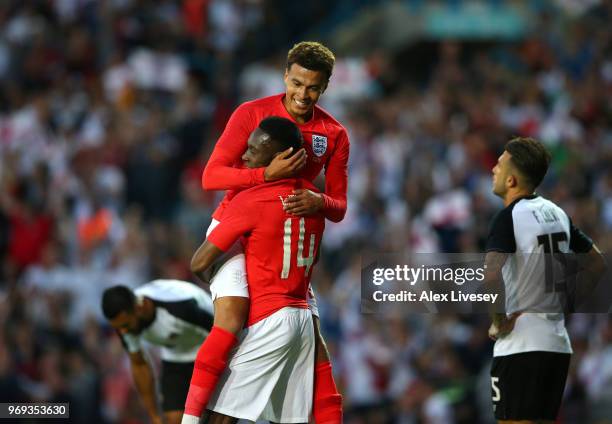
512,181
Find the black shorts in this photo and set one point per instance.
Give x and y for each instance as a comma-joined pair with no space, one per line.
528,386
175,379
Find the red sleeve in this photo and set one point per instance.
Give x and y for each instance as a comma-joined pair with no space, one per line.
236,222
220,173
336,180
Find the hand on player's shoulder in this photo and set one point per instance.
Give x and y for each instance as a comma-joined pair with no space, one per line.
303,202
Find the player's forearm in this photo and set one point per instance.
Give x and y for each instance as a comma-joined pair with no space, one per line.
220,172
334,209
588,278
223,177
203,258
591,269
145,384
494,283
596,265
336,181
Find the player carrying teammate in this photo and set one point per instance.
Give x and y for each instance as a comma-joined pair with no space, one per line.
326,145
270,375
175,315
532,349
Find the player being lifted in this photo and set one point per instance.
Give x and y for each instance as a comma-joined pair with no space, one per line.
532,349
326,145
270,374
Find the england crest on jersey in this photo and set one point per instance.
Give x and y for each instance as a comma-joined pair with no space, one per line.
319,145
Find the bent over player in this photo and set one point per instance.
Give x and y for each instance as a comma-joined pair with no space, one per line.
270,374
175,315
326,146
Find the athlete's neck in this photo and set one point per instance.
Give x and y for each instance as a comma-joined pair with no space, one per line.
511,196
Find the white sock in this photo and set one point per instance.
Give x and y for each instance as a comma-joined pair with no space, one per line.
190,419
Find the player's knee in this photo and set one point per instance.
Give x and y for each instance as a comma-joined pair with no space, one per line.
231,313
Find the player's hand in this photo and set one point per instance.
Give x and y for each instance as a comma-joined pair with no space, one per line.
504,327
283,166
303,202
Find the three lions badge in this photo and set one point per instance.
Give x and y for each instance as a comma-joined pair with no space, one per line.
319,145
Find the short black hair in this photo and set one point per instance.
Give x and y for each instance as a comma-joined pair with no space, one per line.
283,131
530,157
117,299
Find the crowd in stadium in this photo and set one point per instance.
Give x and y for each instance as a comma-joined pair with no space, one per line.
109,110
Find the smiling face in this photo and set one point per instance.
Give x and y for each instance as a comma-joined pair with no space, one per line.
260,149
303,89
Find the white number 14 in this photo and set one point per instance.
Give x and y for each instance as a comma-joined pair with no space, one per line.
301,260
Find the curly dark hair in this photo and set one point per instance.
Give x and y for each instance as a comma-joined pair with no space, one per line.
313,56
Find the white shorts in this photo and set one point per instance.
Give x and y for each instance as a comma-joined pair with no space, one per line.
231,278
270,372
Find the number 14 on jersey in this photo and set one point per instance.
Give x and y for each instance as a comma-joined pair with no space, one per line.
301,260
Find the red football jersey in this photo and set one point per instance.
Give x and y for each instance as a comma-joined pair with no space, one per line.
325,140
280,249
